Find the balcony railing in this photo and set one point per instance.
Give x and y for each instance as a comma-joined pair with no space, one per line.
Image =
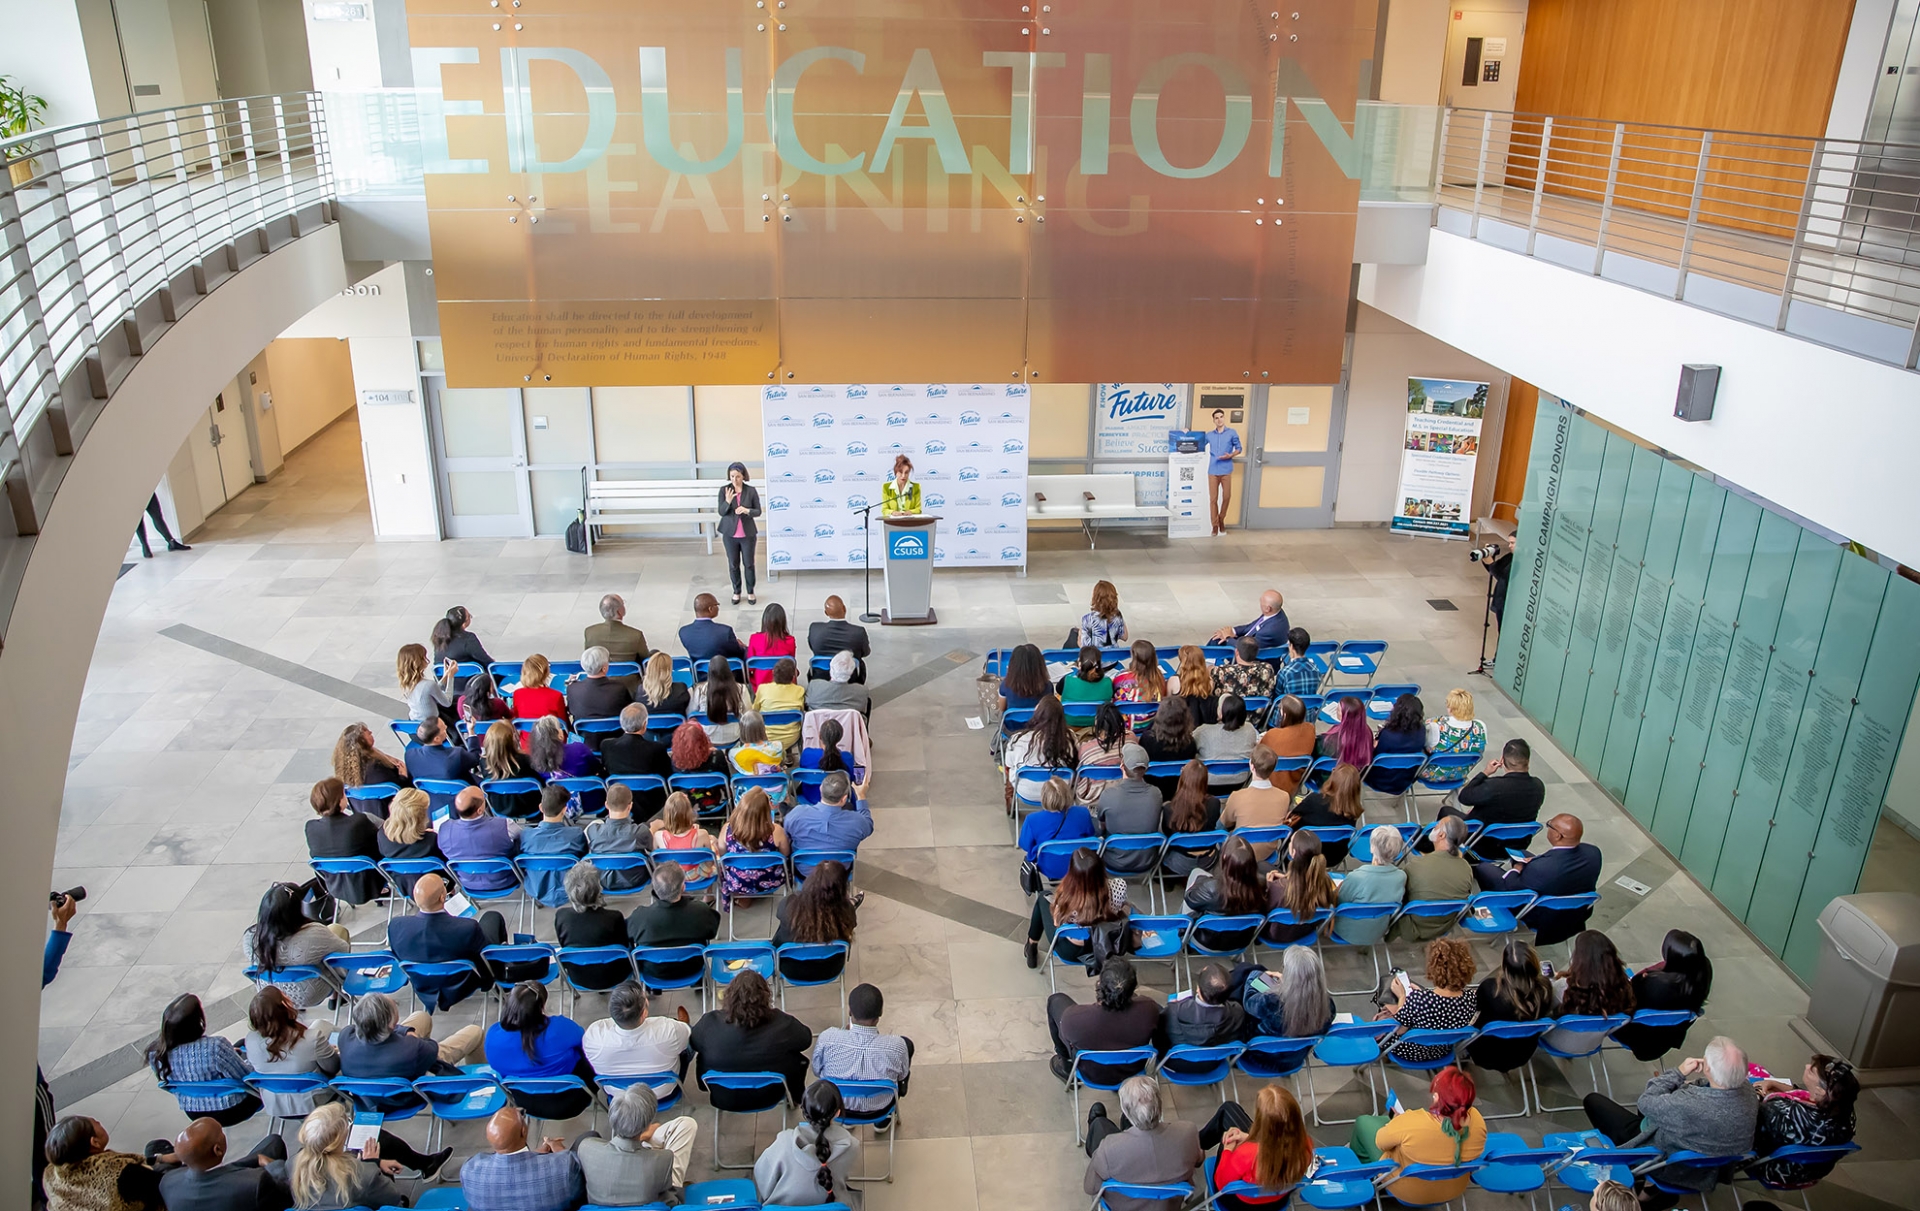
100,219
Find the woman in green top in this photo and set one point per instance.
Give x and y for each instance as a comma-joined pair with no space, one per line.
1089,682
900,495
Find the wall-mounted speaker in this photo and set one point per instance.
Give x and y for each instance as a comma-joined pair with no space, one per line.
1698,384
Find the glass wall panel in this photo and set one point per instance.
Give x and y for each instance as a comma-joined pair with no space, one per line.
1649,617
483,493
1566,557
556,500
1595,571
478,423
1616,611
641,425
558,427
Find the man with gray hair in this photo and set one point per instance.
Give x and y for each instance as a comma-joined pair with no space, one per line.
381,1044
634,752
594,695
839,692
622,642
672,919
644,1160
1444,874
1706,1105
839,821
1144,1149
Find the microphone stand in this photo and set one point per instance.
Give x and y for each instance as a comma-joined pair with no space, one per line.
866,574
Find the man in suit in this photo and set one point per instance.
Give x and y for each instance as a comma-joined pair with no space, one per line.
624,644
381,1045
432,755
704,637
1150,1150
205,1182
1503,793
1270,627
672,919
433,935
644,1160
1209,1017
1570,868
836,634
518,1175
594,695
633,752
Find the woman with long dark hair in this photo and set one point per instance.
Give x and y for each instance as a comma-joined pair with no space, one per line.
1335,805
808,1165
1594,984
747,1033
552,755
1404,733
282,936
1141,680
453,639
1234,886
1191,810
1349,741
280,1044
1100,745
1230,739
480,705
1819,1113
720,698
820,912
1170,739
1516,991
1044,742
771,640
1089,681
751,830
1291,736
528,1042
829,756
1682,979
1085,895
1025,683
356,762
184,1052
739,504
1271,1149
1303,888
1102,626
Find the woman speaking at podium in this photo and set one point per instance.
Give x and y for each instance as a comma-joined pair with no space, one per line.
900,495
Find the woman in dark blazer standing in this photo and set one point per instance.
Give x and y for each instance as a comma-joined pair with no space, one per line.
739,505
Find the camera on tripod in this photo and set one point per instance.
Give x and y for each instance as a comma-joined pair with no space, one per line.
1490,551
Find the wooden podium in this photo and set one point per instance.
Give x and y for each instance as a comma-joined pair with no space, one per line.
909,556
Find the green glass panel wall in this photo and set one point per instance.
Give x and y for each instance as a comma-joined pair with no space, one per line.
1740,683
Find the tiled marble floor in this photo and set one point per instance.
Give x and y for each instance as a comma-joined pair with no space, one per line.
190,771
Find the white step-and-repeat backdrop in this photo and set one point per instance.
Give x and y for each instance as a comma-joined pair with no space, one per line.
831,448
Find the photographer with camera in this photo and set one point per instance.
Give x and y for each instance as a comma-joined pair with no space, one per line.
62,904
1498,558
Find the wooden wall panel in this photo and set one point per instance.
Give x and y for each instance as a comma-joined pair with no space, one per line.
1516,441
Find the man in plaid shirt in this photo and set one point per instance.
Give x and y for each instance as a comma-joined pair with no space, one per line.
1299,675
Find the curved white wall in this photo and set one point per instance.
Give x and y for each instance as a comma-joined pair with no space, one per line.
63,596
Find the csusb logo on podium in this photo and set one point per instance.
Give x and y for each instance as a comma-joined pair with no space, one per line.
907,544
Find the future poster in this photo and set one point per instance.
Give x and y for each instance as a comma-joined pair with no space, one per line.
1438,457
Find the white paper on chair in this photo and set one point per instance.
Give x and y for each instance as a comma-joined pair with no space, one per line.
366,1126
974,722
459,906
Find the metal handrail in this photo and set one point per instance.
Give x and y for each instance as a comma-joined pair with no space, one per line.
99,219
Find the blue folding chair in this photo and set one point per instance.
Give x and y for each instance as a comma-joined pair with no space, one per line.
778,788
1571,903
443,971
1283,918
296,974
390,1096
1275,835
1431,1173
1218,654
1359,658
364,972
683,670
589,793
590,968
639,783
403,873
768,1091
1380,704
578,1094
1514,1031
1590,1158
1136,843
1445,912
784,718
1217,1194
1104,1071
1600,1026
667,1092
1198,1067
554,894
1390,763
441,792
690,861
881,1118
1268,1057
1351,1045
1507,836
1331,700
1659,1174
1656,1019
515,798
1495,912
1053,857
326,867
597,727
766,860
289,1084
503,672
469,870
440,1198
726,960
1202,847
1317,775
1343,1183
406,731
672,968
804,860
733,662
1092,774
458,1099
221,1089
1080,714
1795,1154
1225,775
634,869
523,955
995,663
661,726
1349,915
1452,1040
1070,943
1443,774
1028,781
787,960
1512,1167
1219,936
1162,939
708,792
373,799
1137,1193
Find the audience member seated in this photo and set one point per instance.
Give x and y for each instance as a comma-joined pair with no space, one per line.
838,821
1025,683
480,706
1142,680
1301,887
82,1174
1447,1131
755,754
1045,743
751,830
1231,739
1378,882
519,1174
705,638
1459,734
1089,681
1516,991
324,1176
336,832
747,1034
282,936
861,1052
837,635
1334,805
829,756
1443,874
1267,630
500,755
433,754
426,697
1297,674
553,755
527,1041
356,762
1706,1105
660,693
1594,984
645,1162
1169,738
1291,736
808,1165
1086,895
1116,1018
1247,675
434,935
1570,867
1099,747
535,699
1193,681
1403,734
280,1044
772,639
677,828
1131,806
1207,1016
587,921
594,695
1502,793
1294,1002
1191,810
473,833
629,1041
1271,1149
206,1181
635,752
186,1053
838,691
1102,625
1817,1114
1232,888
453,639
1448,1005
693,752
623,644
1143,1149
1260,803
673,919
1682,979
618,833
1059,819
820,912
1350,741
380,1044
782,692
553,836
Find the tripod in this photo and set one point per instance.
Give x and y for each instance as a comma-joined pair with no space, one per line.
866,573
1485,667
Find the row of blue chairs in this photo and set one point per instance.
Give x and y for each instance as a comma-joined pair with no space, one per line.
659,725
686,672
1353,658
520,797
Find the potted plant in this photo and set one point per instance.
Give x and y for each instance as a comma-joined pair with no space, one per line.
20,112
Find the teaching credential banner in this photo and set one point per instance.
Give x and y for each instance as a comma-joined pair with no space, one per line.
831,448
1441,448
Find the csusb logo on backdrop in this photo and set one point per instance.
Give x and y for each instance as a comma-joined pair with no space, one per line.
856,555
860,418
788,475
770,393
1012,500
824,530
786,420
966,527
1012,445
969,474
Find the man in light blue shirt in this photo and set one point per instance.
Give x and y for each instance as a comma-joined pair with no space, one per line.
838,821
1223,446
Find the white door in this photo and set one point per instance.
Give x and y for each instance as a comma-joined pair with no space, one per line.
207,478
1482,73
229,438
480,437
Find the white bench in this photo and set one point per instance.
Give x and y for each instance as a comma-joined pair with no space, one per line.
651,502
1087,499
